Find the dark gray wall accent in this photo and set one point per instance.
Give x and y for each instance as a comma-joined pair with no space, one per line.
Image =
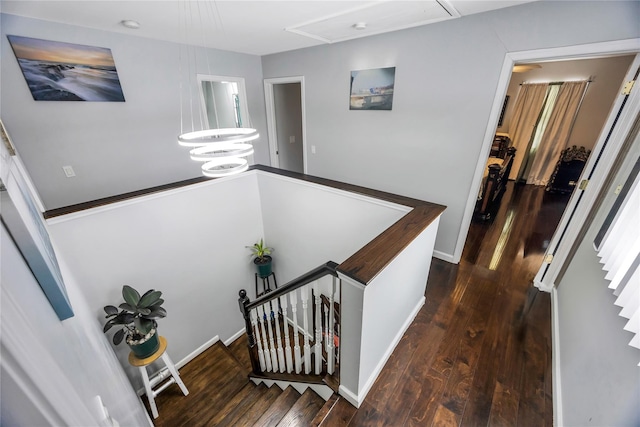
115,147
288,111
446,78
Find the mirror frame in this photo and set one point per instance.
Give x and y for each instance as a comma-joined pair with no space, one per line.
242,94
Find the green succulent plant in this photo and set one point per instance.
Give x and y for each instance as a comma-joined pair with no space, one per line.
259,250
137,315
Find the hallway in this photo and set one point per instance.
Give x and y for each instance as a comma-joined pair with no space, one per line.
469,358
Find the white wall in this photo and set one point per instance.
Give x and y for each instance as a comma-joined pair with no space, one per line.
309,224
375,317
115,147
599,374
188,243
70,362
427,147
606,76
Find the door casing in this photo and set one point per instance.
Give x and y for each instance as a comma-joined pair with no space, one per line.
271,118
570,223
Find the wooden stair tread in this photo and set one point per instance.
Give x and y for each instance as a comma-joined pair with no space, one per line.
209,385
340,414
280,407
252,409
324,411
303,411
248,393
258,393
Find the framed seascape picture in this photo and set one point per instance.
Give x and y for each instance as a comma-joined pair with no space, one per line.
372,89
26,227
57,71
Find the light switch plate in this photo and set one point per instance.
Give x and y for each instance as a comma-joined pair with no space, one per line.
68,171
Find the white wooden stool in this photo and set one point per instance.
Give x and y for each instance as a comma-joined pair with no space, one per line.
149,384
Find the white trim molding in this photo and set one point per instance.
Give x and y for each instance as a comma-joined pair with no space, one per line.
555,360
271,118
544,55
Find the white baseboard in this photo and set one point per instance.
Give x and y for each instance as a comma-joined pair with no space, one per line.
376,372
350,396
444,256
555,360
197,352
234,337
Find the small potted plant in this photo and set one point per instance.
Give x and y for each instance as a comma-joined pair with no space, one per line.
262,258
137,318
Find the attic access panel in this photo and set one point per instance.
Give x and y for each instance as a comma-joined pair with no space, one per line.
379,17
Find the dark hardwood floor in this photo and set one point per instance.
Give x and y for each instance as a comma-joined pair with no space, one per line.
470,358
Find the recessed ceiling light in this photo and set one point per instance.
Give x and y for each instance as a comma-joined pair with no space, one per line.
360,25
130,23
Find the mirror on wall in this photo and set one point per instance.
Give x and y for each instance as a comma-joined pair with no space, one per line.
224,102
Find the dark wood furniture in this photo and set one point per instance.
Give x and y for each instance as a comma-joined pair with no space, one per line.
568,169
493,185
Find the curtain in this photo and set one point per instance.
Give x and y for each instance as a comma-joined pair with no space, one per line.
557,132
541,127
523,122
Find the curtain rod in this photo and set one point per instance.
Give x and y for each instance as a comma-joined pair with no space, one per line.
556,83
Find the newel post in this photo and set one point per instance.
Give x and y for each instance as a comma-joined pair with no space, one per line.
243,301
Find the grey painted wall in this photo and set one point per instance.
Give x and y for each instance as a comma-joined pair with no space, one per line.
600,377
49,350
446,78
115,147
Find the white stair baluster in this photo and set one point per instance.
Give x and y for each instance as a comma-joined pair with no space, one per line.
272,344
330,325
256,334
287,340
325,332
265,343
296,333
304,293
276,316
318,328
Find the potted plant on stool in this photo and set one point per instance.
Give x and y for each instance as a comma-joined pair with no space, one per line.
137,316
262,259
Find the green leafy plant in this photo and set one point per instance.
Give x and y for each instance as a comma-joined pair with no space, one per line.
137,315
259,250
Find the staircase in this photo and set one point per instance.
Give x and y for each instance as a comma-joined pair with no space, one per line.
221,394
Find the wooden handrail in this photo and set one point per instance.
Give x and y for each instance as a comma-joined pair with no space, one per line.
318,272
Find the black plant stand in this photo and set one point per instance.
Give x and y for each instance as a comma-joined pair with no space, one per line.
266,284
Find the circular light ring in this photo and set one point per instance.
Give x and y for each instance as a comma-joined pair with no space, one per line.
222,149
224,166
214,136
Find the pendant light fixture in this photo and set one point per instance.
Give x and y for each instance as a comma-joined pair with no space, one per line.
224,150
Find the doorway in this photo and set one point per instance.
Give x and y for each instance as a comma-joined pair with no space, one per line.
614,130
284,98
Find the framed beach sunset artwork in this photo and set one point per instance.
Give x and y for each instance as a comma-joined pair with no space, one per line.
58,71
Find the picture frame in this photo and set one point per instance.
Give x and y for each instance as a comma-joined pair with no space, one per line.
60,71
26,227
372,89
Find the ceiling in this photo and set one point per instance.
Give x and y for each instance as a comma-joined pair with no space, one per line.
255,27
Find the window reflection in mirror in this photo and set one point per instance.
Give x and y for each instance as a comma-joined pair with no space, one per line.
223,101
